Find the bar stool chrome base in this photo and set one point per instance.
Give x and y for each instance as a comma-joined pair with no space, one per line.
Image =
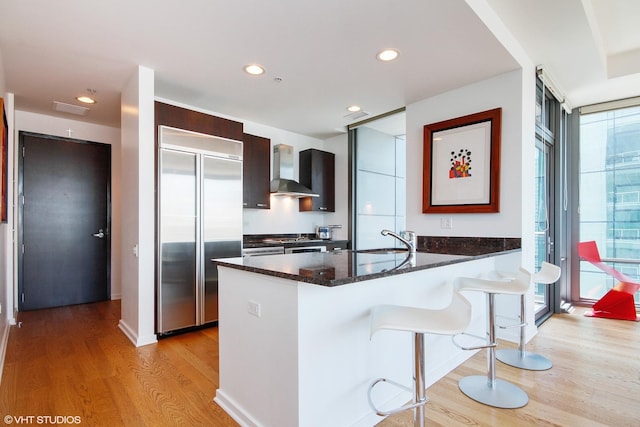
502,394
488,389
523,359
450,320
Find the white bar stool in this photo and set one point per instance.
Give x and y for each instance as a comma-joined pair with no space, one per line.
520,358
487,389
447,321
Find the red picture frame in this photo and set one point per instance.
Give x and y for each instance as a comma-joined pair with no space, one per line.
461,164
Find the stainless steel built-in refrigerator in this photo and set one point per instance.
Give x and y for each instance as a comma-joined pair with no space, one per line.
200,218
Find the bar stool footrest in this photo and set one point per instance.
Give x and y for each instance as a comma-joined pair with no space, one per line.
477,347
513,325
405,407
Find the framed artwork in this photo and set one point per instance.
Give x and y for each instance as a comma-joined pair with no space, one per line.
4,141
461,164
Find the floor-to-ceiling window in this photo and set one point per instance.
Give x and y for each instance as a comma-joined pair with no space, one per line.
609,179
548,139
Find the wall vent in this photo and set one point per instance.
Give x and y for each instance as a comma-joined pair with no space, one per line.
357,115
69,108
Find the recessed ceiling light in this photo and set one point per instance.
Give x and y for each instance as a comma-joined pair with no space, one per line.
388,55
254,69
353,108
86,99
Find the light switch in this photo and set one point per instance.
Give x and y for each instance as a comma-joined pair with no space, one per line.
253,308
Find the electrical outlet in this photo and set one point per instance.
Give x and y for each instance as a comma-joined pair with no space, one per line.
253,308
446,222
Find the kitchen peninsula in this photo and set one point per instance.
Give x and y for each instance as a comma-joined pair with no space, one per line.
294,331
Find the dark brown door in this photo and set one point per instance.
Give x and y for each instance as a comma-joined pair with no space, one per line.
64,210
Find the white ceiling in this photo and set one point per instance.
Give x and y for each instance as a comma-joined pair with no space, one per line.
324,52
591,48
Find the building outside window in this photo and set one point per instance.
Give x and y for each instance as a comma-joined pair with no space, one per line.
610,195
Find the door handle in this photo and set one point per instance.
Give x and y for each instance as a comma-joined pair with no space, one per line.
99,234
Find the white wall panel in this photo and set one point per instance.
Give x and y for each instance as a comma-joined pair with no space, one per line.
375,152
376,194
138,208
369,235
401,196
401,157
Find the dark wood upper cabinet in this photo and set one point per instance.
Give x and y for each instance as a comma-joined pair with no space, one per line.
256,153
182,118
318,172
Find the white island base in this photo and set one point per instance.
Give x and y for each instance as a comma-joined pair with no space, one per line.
299,354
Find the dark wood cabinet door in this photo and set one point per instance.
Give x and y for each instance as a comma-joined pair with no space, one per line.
256,153
317,172
195,121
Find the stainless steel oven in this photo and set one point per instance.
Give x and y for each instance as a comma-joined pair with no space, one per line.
301,249
268,250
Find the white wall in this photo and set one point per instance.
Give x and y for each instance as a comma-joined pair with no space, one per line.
283,216
138,208
501,91
525,93
339,145
49,125
6,260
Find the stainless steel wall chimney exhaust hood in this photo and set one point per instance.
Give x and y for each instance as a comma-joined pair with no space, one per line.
283,183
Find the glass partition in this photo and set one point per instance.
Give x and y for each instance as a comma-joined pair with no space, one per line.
379,181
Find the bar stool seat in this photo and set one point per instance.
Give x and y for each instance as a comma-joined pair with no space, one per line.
488,389
450,320
447,321
520,358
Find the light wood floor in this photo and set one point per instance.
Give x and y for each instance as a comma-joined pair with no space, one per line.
74,361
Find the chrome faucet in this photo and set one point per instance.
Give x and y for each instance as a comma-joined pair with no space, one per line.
409,241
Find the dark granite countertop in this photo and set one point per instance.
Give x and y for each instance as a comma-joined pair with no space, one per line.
343,267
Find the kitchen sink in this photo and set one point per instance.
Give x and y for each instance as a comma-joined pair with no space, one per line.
383,251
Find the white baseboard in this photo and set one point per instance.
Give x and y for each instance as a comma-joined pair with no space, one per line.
4,340
133,336
234,410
